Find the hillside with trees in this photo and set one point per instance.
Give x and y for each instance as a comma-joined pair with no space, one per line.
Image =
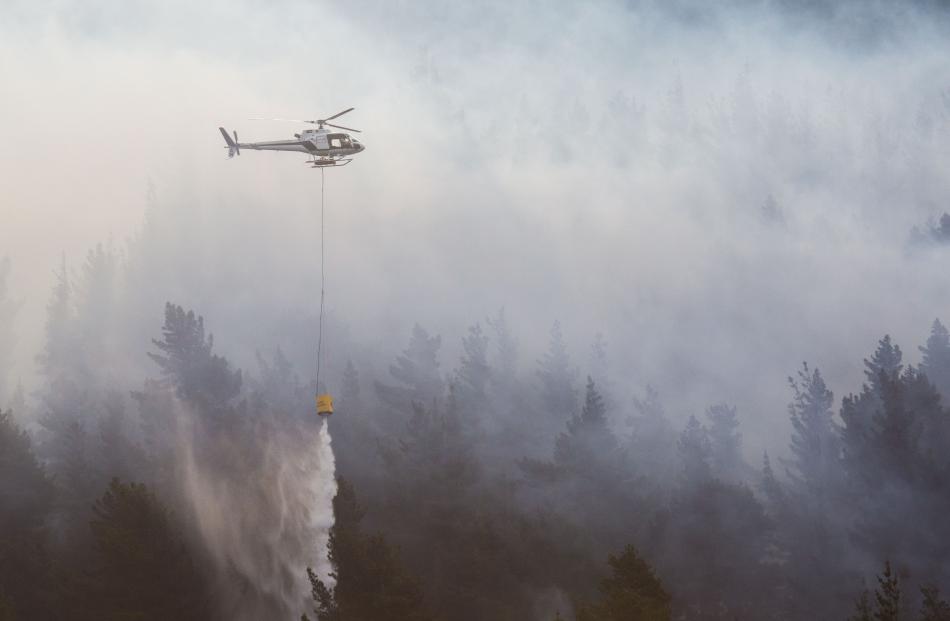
488,487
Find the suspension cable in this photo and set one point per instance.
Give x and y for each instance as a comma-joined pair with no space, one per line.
322,281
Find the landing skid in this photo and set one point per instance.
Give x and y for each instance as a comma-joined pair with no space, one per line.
324,162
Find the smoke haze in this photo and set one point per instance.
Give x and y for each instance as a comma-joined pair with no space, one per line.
721,192
714,190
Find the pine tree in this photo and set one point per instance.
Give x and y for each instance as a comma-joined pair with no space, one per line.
929,423
861,414
717,541
558,396
933,608
416,372
74,469
96,315
725,442
813,530
188,364
886,359
58,354
771,487
856,434
512,422
887,596
598,359
600,369
26,499
936,358
653,438
142,568
433,452
694,450
474,374
862,608
371,583
278,387
631,593
588,447
896,429
814,445
505,359
65,400
118,455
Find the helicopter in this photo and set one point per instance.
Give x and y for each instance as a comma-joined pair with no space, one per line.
325,147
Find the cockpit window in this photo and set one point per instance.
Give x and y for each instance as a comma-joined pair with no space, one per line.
339,141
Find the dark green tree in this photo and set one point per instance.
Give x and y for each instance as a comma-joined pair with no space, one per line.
26,498
96,316
631,593
117,454
600,370
588,448
188,364
416,372
903,462
725,443
510,424
694,450
770,486
935,362
370,582
278,388
652,445
814,527
862,608
933,608
65,404
141,566
896,430
886,359
56,359
715,544
558,395
861,414
473,375
887,596
815,445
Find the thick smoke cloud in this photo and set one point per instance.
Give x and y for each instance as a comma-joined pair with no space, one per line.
721,192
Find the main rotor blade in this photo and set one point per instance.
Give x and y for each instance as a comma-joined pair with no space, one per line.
288,120
330,118
349,129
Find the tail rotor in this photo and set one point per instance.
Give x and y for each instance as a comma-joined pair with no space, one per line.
233,147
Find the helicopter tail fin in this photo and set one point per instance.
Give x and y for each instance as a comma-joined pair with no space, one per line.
233,147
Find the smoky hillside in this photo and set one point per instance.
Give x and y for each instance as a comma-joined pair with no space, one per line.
634,310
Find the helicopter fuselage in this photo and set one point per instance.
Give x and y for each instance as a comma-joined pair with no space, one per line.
318,142
326,147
